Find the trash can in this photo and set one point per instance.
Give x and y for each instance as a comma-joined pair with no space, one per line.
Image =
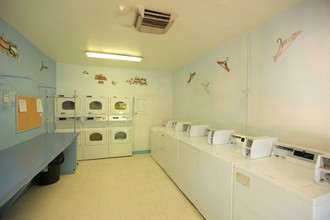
51,174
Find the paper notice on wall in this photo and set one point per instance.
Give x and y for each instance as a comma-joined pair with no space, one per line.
39,105
22,107
140,106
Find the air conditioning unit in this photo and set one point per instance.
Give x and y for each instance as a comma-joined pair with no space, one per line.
153,21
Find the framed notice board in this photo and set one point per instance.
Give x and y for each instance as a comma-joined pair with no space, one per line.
29,113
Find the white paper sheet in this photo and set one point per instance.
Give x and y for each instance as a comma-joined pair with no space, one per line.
140,106
39,105
22,105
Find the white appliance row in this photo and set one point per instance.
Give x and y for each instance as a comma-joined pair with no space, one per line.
102,142
92,106
243,178
104,124
106,142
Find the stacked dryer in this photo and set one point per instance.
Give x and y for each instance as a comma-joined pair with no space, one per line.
120,126
95,143
68,118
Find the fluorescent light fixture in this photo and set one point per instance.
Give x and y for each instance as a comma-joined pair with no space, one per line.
113,56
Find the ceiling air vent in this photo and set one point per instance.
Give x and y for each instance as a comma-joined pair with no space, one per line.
153,21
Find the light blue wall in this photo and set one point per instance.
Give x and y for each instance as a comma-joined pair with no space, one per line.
289,98
224,107
28,65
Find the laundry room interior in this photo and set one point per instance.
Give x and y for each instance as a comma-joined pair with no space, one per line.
267,79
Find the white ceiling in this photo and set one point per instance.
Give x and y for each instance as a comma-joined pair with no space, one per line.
64,29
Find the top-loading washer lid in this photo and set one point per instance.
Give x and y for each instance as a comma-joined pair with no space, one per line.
289,176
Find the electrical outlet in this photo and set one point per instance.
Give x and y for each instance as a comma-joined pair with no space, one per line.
5,97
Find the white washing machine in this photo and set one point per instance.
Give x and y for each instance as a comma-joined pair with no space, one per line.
95,106
67,106
119,106
280,187
120,141
215,168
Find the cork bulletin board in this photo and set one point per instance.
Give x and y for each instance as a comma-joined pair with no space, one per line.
29,113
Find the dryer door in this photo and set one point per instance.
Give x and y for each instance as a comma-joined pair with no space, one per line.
120,135
96,137
95,106
67,106
119,106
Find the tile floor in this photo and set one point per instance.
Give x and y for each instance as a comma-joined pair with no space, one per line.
119,188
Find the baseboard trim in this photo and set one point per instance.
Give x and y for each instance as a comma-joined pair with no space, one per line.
141,152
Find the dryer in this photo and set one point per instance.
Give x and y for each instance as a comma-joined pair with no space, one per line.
67,125
79,151
95,137
120,141
280,187
95,106
119,106
68,122
95,143
67,106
